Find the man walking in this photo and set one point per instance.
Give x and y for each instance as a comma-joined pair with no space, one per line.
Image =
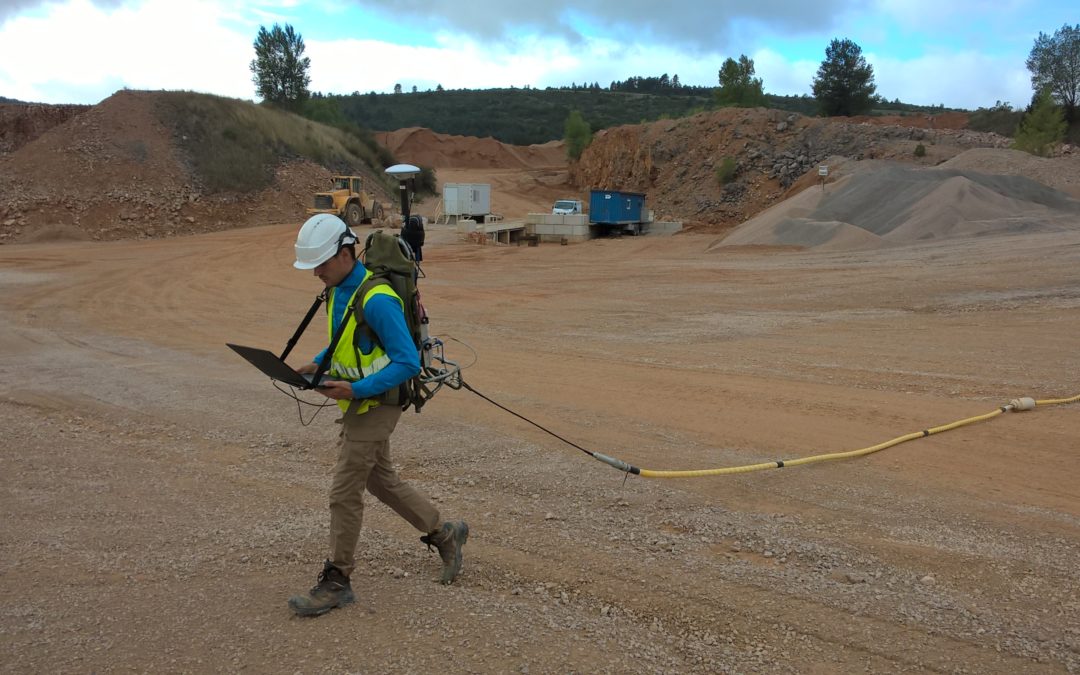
373,357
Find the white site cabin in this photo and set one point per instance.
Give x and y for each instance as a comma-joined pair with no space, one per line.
466,200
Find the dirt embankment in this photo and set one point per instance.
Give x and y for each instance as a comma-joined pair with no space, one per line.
675,161
444,151
949,120
523,179
22,123
115,171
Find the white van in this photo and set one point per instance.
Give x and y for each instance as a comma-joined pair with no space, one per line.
566,207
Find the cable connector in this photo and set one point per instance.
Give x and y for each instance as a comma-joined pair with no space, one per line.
1024,403
617,463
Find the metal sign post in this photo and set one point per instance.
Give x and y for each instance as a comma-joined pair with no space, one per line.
823,171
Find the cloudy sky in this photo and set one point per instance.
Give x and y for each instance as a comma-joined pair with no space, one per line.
962,53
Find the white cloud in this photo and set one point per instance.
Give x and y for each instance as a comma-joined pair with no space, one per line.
82,51
155,45
963,79
457,63
783,77
935,15
693,25
605,60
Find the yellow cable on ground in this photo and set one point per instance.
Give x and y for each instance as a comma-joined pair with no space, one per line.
1016,405
1054,401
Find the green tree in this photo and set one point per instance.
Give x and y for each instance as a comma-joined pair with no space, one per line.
280,69
1043,127
1054,63
844,85
324,110
578,134
738,86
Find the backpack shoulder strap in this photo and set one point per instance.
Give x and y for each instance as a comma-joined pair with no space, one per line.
401,396
362,293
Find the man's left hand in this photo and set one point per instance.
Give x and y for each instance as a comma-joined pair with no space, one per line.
336,389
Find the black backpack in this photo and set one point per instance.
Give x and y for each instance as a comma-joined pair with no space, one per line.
391,262
413,234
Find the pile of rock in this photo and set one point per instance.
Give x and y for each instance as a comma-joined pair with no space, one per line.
22,123
674,161
114,171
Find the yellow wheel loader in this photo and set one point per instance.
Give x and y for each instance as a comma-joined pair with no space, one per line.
348,200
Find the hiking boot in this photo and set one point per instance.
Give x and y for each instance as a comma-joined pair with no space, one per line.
332,590
448,540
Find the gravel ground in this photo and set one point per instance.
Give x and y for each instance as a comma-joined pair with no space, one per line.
162,502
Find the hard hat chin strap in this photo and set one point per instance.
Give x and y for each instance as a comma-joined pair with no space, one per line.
347,234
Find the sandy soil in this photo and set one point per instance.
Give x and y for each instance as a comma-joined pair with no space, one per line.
162,500
523,179
514,193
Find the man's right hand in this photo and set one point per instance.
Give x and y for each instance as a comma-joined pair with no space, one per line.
307,368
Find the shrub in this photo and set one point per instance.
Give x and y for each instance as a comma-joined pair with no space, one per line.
920,150
426,182
1000,119
578,135
1042,128
725,172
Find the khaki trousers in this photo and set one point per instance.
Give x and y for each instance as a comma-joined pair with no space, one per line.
364,462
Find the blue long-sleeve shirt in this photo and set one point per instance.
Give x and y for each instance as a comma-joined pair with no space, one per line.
384,315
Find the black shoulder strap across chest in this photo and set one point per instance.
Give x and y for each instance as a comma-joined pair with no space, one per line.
304,324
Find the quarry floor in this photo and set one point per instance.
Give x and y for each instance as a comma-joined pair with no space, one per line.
162,500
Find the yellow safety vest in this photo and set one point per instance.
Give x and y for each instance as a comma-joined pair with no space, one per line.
348,362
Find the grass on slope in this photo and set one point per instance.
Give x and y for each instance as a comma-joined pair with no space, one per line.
235,145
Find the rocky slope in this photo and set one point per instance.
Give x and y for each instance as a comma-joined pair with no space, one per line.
115,171
776,153
22,123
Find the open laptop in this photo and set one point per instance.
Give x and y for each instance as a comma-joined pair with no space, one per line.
275,368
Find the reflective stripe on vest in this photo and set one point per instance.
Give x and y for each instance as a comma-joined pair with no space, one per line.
348,362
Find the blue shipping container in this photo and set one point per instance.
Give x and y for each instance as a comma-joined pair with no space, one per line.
613,207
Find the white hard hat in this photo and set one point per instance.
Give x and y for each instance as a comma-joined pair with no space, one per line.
319,239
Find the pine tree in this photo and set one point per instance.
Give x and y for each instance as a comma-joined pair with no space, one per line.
844,84
1042,128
